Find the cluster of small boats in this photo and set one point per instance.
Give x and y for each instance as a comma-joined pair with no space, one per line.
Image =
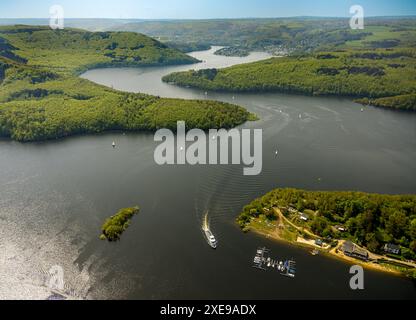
280,266
286,268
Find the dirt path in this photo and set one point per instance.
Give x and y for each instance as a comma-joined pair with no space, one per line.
281,216
372,256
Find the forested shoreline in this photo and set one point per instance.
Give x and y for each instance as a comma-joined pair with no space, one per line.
383,77
370,220
316,57
42,97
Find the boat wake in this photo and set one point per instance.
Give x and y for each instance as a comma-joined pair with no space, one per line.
205,223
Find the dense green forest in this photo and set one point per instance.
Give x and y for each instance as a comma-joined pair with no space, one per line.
72,50
370,220
383,77
41,96
188,47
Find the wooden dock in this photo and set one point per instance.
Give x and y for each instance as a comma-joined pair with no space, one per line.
263,261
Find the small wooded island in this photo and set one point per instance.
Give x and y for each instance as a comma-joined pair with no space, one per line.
232,52
377,231
114,227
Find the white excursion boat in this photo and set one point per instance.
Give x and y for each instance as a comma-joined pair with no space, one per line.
211,239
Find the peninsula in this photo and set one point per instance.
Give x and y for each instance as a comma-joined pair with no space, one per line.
42,97
374,67
377,231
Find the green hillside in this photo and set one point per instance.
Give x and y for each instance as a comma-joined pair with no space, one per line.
41,96
74,50
382,77
283,35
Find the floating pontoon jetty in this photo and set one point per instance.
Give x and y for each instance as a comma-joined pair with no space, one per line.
263,261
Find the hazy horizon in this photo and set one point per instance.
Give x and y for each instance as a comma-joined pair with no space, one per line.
203,9
219,18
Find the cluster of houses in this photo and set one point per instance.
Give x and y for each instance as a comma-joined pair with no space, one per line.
352,250
302,216
349,248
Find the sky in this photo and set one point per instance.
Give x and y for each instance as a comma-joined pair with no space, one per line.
202,9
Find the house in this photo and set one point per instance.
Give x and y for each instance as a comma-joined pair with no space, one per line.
392,248
303,216
341,228
352,250
291,210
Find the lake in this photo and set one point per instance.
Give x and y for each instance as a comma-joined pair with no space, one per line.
56,195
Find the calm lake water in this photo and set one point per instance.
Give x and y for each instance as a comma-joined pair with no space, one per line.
54,196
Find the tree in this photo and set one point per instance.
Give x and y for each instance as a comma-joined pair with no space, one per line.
413,246
372,243
412,229
408,254
328,233
319,224
396,223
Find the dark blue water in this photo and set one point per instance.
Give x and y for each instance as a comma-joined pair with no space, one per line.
54,197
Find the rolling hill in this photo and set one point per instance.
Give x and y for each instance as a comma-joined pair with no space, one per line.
41,96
